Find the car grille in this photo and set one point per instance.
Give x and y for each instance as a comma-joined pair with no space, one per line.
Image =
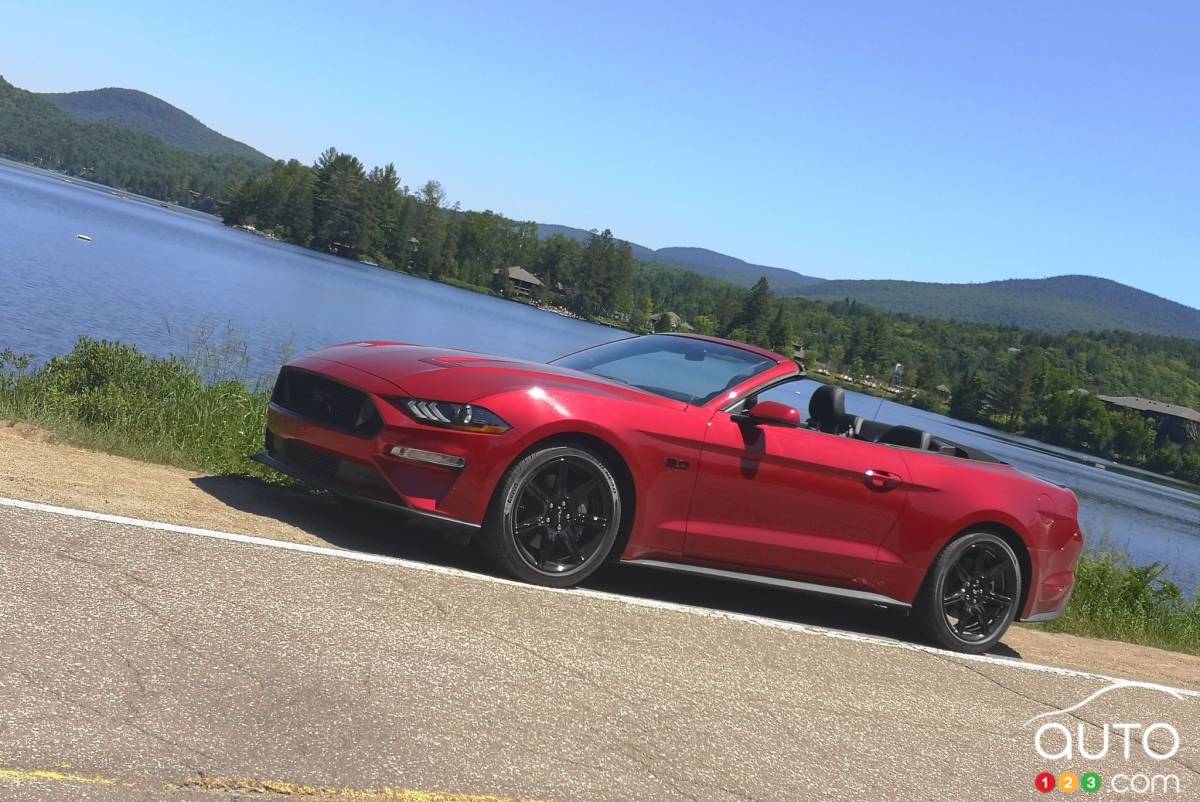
327,402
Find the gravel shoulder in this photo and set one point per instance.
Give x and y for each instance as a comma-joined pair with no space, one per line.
34,467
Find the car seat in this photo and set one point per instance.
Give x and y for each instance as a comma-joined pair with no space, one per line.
827,412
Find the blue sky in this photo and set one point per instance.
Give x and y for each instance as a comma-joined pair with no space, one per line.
951,142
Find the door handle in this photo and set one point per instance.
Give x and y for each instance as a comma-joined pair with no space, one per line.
881,480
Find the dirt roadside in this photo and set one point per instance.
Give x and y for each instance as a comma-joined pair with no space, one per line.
34,467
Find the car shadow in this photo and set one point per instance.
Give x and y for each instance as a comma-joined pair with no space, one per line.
410,538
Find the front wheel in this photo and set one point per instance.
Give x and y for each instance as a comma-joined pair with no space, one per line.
554,518
971,594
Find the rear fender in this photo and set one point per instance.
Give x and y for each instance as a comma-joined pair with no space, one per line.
922,532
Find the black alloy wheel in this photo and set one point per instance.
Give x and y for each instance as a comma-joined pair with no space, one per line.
555,518
971,594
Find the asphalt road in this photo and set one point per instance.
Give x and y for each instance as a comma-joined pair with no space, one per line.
148,664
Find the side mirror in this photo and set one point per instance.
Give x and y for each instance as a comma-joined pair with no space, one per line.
773,412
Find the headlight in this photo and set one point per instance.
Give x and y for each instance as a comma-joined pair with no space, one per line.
464,417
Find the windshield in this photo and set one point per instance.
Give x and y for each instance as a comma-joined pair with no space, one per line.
685,369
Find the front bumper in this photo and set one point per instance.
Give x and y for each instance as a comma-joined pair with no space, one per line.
336,429
351,489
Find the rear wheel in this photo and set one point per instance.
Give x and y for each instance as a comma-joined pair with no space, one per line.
555,517
971,594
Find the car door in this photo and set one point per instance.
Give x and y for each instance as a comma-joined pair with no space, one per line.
793,501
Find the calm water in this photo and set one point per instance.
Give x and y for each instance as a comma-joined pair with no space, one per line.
156,277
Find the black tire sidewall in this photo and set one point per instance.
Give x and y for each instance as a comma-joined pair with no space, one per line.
931,616
503,551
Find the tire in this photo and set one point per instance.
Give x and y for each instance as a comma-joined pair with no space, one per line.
554,517
971,594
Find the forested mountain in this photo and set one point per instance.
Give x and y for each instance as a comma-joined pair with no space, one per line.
1058,304
146,114
702,261
640,252
33,130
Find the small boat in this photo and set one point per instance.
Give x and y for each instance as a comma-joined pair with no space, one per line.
83,237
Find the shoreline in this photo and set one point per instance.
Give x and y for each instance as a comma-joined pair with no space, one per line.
105,189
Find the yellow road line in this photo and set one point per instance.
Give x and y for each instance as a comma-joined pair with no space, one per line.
315,792
41,775
333,792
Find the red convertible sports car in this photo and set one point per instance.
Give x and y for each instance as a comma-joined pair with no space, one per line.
683,453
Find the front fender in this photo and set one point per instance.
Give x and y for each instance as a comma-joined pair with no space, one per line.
660,450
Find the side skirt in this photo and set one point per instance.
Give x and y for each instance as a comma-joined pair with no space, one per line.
772,581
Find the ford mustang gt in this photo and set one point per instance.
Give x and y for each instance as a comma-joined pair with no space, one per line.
683,453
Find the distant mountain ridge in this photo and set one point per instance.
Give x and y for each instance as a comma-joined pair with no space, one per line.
1058,304
147,114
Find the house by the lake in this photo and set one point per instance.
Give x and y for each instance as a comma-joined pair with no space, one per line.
670,321
521,280
1176,423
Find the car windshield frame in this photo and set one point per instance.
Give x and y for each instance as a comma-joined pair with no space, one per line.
750,364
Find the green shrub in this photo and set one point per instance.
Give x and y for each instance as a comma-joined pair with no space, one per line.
113,398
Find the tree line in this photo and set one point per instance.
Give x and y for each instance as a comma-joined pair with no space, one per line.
337,205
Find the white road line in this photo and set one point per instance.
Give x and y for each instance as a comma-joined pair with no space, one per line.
347,554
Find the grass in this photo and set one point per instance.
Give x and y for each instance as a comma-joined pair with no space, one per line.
197,412
192,412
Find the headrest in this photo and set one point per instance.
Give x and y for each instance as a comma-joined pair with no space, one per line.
828,404
908,437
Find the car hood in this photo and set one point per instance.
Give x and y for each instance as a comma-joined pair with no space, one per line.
445,374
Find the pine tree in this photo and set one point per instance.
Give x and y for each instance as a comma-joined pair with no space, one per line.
752,323
780,334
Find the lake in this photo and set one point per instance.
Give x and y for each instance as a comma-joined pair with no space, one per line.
160,277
